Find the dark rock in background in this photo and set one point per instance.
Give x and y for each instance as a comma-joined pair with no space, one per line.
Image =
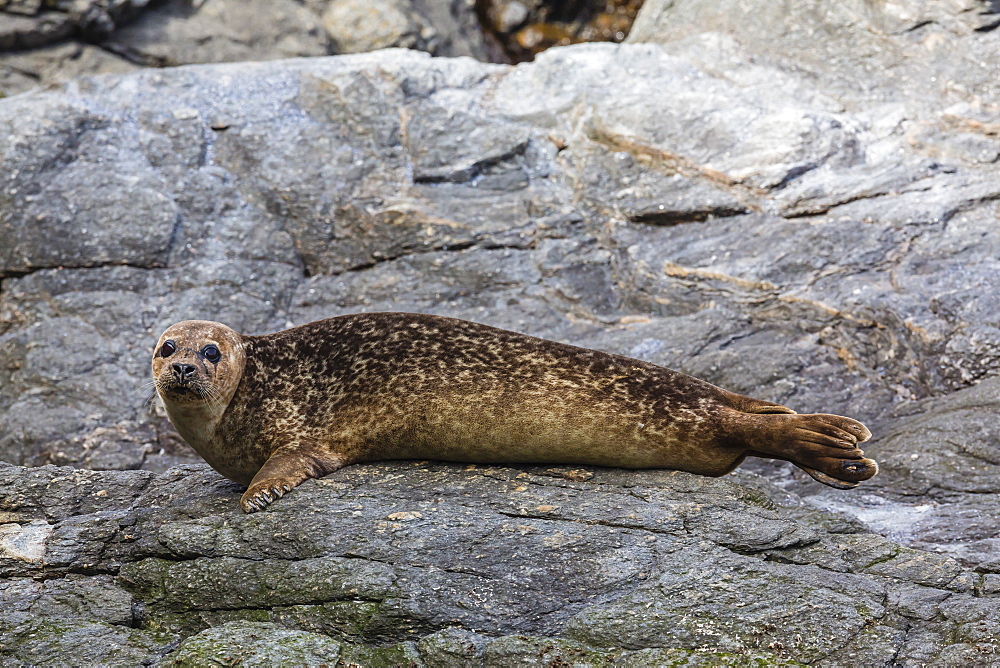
521,29
33,23
42,43
179,32
801,207
33,39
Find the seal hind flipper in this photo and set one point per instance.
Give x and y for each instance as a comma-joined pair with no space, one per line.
824,446
746,404
819,476
288,467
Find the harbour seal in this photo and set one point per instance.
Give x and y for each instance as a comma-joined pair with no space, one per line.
272,411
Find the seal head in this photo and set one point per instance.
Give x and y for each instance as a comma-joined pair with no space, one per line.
197,366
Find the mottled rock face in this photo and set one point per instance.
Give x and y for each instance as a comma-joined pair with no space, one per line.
45,43
793,224
435,564
614,197
25,24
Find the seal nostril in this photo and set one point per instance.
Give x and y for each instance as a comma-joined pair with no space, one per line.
183,371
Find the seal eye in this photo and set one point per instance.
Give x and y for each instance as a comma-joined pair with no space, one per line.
211,353
167,349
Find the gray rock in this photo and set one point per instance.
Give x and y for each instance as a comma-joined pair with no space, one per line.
444,565
26,24
857,53
178,32
566,198
256,644
92,597
22,71
450,28
938,485
356,27
25,32
775,222
457,28
897,67
44,47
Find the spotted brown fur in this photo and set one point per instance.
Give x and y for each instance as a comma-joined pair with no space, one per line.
306,401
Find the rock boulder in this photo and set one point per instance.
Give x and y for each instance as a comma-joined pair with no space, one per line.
708,198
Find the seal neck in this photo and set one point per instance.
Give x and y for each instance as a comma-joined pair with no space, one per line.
196,423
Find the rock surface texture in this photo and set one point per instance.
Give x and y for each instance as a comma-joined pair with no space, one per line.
43,42
799,207
444,565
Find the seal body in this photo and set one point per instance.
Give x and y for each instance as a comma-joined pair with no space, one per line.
272,411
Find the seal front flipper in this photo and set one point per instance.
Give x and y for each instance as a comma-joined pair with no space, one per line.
288,467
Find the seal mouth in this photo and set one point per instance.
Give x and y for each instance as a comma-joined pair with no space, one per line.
184,390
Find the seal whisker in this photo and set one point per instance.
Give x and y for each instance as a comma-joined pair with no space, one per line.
213,395
148,390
